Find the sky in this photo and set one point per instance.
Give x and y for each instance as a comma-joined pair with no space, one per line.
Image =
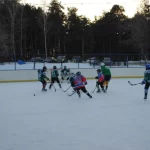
92,8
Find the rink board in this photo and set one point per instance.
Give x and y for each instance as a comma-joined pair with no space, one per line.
32,75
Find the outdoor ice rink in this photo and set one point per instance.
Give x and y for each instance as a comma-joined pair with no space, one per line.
116,120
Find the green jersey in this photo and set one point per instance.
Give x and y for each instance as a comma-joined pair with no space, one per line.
147,76
54,73
65,72
105,70
42,75
71,79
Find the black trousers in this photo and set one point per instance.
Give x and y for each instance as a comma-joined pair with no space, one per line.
53,79
107,77
83,89
100,83
44,82
147,86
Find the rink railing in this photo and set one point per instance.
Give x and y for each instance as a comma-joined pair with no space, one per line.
32,75
36,61
84,65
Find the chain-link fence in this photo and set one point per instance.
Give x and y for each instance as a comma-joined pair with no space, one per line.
30,61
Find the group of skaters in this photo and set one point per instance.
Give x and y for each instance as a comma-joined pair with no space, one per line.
77,80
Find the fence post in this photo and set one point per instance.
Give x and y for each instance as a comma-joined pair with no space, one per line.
110,61
94,60
61,64
15,59
34,65
127,61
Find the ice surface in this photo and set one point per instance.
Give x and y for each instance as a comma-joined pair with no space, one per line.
116,120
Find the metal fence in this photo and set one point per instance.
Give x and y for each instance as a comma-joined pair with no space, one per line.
72,61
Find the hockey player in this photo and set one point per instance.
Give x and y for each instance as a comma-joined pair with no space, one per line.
54,77
65,73
71,79
146,80
100,81
107,75
42,77
78,82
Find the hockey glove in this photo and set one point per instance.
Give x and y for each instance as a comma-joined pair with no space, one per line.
96,77
143,82
85,83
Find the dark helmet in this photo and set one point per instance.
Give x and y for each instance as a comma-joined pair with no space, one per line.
44,68
78,73
54,67
98,70
147,66
39,70
72,74
65,67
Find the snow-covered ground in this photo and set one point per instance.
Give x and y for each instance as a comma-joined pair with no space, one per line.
11,66
116,120
30,65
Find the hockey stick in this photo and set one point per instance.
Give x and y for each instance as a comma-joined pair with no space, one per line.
71,93
95,87
66,89
53,87
94,90
133,84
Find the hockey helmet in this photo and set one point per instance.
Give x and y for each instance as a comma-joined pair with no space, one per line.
78,73
65,67
147,66
98,70
45,68
72,74
54,67
102,64
39,70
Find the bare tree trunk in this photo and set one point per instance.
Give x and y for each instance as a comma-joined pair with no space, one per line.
12,12
13,31
13,40
83,47
45,35
21,50
25,45
59,40
65,45
144,53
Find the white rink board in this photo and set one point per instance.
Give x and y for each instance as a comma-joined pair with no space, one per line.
31,75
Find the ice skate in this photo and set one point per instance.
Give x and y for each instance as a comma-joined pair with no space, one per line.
145,97
98,91
43,89
50,86
90,96
104,90
60,85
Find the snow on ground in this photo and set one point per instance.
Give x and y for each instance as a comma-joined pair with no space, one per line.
30,65
116,120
